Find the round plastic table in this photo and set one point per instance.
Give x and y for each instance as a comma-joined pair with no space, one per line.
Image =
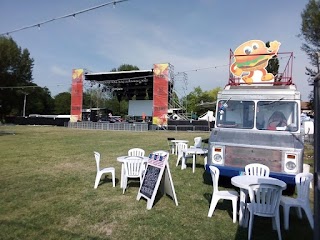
243,182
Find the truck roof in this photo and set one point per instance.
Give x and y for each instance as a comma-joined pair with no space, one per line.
280,92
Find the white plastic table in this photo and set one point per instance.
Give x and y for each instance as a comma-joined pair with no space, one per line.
175,148
243,182
122,159
193,152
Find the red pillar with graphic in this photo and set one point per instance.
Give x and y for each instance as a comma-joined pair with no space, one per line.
160,94
76,95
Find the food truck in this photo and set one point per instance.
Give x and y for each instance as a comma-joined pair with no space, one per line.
258,118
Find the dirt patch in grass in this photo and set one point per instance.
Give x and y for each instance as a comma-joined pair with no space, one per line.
72,222
104,228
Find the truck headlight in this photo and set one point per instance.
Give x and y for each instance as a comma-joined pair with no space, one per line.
290,165
217,158
217,155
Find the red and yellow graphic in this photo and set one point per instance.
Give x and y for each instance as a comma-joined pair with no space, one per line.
76,95
253,56
160,94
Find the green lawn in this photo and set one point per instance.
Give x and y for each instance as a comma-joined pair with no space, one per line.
47,176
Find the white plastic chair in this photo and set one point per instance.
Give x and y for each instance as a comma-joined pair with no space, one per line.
257,169
171,145
180,146
133,168
264,202
197,142
139,152
217,195
306,169
100,172
302,201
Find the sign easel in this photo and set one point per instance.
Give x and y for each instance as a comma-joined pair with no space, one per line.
157,176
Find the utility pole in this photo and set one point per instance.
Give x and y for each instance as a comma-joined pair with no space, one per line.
316,91
24,104
318,61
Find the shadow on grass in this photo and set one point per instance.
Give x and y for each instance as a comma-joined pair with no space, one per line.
262,229
7,132
223,205
160,193
107,180
223,181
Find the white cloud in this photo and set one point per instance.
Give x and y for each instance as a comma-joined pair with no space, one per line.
56,70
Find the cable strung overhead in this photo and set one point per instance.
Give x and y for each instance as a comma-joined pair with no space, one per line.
65,16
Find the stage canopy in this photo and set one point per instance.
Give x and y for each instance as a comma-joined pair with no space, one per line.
126,84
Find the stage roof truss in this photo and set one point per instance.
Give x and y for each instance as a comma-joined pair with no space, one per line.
129,84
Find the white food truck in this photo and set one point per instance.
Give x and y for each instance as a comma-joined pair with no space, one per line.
258,123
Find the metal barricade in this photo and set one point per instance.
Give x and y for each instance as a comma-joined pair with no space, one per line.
140,127
136,127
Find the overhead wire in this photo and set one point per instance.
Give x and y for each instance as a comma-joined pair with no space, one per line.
19,87
199,69
136,79
65,16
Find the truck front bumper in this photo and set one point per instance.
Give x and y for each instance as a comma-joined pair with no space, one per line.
234,171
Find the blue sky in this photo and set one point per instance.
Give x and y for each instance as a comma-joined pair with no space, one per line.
189,34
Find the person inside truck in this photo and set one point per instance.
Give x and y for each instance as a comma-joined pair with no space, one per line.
276,120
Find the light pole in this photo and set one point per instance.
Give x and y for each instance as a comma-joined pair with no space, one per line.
24,104
316,92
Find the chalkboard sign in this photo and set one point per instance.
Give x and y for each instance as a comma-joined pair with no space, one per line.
150,181
157,172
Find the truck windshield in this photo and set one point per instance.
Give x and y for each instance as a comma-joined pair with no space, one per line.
235,114
261,115
277,115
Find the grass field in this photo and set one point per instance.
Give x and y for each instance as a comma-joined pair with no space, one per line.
47,176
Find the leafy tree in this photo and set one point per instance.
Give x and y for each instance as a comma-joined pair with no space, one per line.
197,96
119,108
98,97
39,101
15,71
193,98
125,67
95,97
174,100
117,103
86,100
62,103
273,65
310,31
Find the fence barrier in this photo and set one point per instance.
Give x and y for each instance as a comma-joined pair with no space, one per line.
138,127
